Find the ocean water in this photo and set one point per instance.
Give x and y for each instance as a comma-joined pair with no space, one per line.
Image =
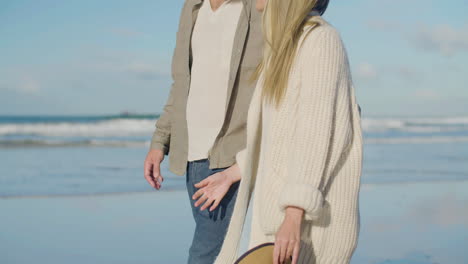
75,155
56,172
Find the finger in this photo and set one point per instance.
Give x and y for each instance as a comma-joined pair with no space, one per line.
201,183
157,177
289,250
160,174
283,248
161,178
156,170
198,194
147,168
147,174
276,253
207,203
216,203
201,200
295,255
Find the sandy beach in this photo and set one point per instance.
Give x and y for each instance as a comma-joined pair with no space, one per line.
401,223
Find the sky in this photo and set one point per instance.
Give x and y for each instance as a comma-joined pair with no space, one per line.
408,57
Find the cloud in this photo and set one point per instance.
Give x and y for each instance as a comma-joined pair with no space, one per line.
145,71
21,83
383,25
407,73
444,39
28,85
366,71
426,94
125,32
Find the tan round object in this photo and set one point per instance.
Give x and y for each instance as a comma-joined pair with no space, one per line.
261,254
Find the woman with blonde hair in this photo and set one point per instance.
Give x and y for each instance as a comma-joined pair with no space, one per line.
304,149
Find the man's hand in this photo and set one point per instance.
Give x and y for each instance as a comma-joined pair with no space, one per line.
214,188
152,168
288,237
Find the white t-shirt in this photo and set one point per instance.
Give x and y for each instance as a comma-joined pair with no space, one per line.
212,43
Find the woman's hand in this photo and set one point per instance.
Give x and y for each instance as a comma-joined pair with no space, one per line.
288,236
214,188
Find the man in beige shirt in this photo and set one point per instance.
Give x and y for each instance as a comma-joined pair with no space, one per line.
203,123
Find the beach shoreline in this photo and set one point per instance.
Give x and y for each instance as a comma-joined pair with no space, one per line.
157,226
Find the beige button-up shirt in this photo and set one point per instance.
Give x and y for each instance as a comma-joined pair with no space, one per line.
171,133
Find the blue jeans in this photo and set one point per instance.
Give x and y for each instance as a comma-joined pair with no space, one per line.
210,227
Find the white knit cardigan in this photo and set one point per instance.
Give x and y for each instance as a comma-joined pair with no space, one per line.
307,153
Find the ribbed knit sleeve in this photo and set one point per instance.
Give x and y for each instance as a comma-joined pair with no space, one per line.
322,61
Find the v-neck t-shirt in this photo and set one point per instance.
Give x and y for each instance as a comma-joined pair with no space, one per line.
212,44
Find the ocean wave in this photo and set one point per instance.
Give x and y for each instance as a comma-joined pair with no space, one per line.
416,125
63,143
144,125
145,143
102,128
416,140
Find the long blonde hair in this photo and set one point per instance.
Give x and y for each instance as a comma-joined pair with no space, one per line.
283,22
